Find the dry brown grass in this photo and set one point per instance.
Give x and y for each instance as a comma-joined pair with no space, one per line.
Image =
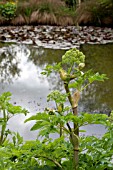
34,5
46,12
55,12
56,3
47,18
95,13
50,19
65,20
19,20
34,17
83,13
2,21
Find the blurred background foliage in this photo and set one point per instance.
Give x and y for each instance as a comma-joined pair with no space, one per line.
57,12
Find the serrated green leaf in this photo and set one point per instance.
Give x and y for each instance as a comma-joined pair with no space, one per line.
38,116
97,77
40,124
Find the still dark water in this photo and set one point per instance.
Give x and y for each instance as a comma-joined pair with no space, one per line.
20,68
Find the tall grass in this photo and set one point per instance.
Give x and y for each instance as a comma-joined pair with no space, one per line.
53,12
95,12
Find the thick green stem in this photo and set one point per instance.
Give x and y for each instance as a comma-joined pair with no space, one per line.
76,142
76,130
59,108
74,137
68,92
3,128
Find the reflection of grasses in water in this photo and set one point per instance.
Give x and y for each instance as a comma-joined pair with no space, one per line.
42,57
100,58
10,60
8,64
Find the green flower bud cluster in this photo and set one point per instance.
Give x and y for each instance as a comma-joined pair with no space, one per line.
73,56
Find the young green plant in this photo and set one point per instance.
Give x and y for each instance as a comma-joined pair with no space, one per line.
7,111
60,119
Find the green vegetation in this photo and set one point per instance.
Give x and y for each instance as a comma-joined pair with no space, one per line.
60,12
8,10
7,111
96,12
68,151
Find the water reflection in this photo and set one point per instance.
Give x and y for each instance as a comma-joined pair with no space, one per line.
22,62
29,88
8,64
21,65
41,57
99,95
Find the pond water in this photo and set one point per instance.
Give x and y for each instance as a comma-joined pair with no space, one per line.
20,68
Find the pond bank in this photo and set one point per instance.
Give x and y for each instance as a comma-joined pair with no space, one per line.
56,37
